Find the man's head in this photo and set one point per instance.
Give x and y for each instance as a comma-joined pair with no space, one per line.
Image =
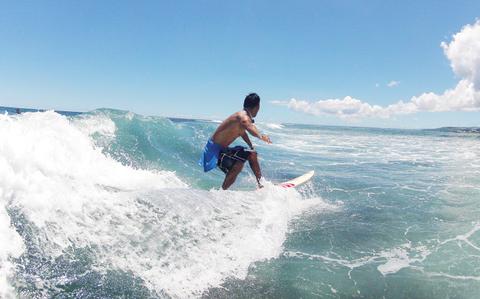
252,104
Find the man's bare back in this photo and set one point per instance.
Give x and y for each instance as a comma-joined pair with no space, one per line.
236,126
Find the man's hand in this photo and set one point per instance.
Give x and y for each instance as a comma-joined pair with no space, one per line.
266,139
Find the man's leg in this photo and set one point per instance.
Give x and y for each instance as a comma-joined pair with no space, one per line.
255,166
232,175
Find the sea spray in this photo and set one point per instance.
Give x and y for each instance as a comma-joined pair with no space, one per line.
12,247
68,195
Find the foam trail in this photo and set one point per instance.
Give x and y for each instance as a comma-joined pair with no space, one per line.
206,236
390,260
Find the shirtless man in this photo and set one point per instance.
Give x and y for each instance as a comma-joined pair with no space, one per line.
231,159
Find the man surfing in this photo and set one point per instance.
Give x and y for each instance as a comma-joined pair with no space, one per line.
231,159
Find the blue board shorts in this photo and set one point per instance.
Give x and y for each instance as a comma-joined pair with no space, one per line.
224,157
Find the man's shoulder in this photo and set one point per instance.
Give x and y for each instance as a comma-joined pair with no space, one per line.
241,115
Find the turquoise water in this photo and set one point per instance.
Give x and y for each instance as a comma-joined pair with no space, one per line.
111,204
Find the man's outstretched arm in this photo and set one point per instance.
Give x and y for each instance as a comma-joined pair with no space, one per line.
252,129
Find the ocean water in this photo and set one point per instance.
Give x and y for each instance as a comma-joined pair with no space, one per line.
111,204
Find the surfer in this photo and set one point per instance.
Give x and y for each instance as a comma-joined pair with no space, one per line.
231,159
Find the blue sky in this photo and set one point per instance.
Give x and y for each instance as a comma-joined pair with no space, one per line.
200,58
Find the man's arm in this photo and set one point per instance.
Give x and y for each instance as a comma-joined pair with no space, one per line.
252,129
247,140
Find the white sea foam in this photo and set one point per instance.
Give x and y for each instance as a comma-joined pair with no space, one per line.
378,147
274,126
456,277
401,257
390,260
95,123
351,264
175,238
12,247
465,237
206,236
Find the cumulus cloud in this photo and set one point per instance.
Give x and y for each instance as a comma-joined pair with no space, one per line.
464,54
393,83
347,108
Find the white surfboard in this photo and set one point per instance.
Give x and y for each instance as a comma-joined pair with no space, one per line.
298,180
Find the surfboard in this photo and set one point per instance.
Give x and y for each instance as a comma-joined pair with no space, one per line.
298,180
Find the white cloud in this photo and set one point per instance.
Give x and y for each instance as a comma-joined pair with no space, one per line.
464,55
347,108
464,97
393,83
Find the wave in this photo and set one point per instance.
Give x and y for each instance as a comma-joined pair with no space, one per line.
273,126
103,184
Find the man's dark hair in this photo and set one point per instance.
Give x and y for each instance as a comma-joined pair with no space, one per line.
251,101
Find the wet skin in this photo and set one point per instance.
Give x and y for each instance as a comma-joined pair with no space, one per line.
237,125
